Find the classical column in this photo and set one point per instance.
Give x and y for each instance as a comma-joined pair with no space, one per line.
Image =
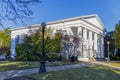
12,47
90,44
79,31
80,36
84,42
95,46
102,47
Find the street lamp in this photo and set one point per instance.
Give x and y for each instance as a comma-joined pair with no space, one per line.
108,42
42,68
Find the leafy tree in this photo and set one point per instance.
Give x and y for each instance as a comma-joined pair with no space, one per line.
117,35
58,42
5,41
26,50
36,41
30,49
53,47
15,10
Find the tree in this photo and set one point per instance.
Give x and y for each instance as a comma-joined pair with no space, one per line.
30,49
5,41
15,10
117,35
109,37
58,43
71,45
27,50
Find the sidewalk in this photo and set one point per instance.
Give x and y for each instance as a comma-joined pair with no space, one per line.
18,73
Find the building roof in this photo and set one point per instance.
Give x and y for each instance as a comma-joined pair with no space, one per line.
66,20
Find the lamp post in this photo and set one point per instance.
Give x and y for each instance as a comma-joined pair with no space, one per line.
42,68
108,42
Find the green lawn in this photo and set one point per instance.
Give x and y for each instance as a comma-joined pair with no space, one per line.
84,73
115,63
15,65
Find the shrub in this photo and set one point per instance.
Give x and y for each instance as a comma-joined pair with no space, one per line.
115,58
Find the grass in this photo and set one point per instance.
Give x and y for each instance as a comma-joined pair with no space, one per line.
115,63
15,65
95,72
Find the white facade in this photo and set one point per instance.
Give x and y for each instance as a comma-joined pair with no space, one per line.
90,27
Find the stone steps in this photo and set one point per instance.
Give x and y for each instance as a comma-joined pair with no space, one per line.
85,59
92,59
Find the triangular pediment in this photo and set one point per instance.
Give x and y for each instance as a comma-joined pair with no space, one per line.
95,21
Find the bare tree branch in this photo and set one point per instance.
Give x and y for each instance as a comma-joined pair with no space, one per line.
15,10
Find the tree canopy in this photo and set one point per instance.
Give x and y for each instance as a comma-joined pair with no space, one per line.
5,41
30,49
117,35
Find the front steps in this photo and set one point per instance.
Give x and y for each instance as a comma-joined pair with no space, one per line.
85,59
92,59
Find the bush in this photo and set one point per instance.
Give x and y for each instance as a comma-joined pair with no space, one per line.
25,53
115,58
54,57
73,58
60,58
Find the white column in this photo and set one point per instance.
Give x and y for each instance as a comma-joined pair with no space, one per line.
84,43
95,45
12,48
80,36
99,46
90,43
79,32
102,47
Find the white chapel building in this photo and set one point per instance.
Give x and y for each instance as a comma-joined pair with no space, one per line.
90,27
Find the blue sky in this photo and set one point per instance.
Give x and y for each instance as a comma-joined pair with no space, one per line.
51,10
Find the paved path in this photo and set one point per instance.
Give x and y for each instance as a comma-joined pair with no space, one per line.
17,73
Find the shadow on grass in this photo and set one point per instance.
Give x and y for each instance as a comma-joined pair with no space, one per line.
95,72
17,65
